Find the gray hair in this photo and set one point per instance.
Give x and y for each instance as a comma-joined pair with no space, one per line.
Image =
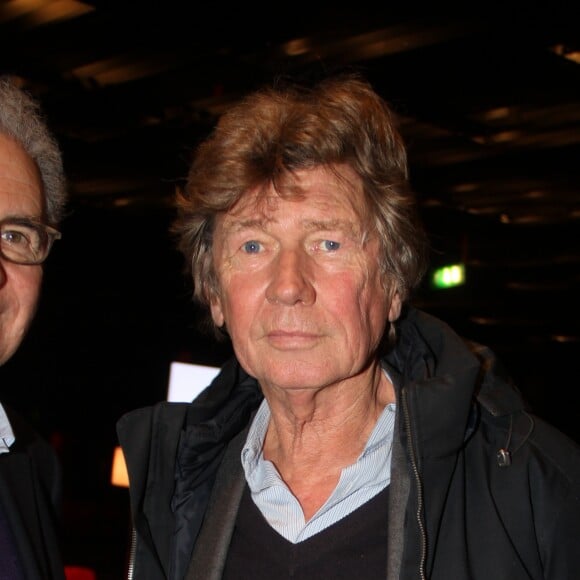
21,119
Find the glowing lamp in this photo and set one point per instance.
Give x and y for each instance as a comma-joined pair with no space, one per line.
449,276
119,475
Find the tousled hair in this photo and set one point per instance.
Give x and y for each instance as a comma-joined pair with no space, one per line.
285,128
22,120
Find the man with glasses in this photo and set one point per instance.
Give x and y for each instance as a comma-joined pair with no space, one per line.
32,200
24,241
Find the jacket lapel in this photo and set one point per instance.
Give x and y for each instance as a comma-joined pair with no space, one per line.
210,551
19,501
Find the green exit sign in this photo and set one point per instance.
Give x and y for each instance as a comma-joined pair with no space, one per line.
449,276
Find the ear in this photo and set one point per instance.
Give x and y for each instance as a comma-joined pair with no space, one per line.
395,307
217,312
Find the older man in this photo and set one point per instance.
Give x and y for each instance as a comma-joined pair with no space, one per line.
351,436
32,197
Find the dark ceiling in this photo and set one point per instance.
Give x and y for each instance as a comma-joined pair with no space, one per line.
489,105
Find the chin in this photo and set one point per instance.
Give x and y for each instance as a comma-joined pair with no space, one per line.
298,376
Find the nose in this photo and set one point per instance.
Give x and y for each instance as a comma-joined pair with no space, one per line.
291,280
3,275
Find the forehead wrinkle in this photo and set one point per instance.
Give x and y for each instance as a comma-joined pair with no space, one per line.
15,217
315,225
331,224
235,225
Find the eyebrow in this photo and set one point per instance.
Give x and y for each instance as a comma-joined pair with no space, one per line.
18,218
326,225
310,225
239,225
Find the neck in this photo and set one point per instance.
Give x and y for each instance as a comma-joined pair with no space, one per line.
312,436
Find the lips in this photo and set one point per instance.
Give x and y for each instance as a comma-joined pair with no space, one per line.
292,338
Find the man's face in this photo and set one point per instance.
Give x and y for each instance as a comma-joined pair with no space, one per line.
301,292
20,196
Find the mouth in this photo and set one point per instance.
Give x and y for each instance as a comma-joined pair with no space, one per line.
292,339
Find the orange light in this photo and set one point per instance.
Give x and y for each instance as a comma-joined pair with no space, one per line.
119,475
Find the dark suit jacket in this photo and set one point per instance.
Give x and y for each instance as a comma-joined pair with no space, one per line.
30,493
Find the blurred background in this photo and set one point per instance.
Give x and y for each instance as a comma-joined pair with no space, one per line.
489,107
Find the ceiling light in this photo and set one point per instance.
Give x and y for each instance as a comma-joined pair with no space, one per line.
496,114
37,12
566,52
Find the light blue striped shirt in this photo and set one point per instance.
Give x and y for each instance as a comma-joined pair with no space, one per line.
358,483
6,435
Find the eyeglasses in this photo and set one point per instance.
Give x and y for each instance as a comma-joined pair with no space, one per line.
24,241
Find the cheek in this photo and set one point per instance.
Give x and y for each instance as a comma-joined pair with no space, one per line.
373,307
28,287
237,302
23,290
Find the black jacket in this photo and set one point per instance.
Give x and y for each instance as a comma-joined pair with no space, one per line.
30,495
480,488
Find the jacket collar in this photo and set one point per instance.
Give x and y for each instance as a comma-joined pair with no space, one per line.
444,375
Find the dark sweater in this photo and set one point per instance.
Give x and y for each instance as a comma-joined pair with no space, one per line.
354,547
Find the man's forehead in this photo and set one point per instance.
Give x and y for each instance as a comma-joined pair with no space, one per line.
237,222
311,210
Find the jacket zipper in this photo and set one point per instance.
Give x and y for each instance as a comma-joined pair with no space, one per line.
419,487
132,551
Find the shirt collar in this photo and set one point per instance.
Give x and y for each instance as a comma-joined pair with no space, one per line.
6,434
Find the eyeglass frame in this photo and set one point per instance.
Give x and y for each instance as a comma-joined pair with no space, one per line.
47,233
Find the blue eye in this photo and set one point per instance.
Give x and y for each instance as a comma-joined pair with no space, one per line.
252,247
330,245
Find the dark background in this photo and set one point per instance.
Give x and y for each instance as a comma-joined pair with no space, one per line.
490,110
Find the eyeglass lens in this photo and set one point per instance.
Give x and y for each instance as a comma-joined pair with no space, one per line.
25,243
